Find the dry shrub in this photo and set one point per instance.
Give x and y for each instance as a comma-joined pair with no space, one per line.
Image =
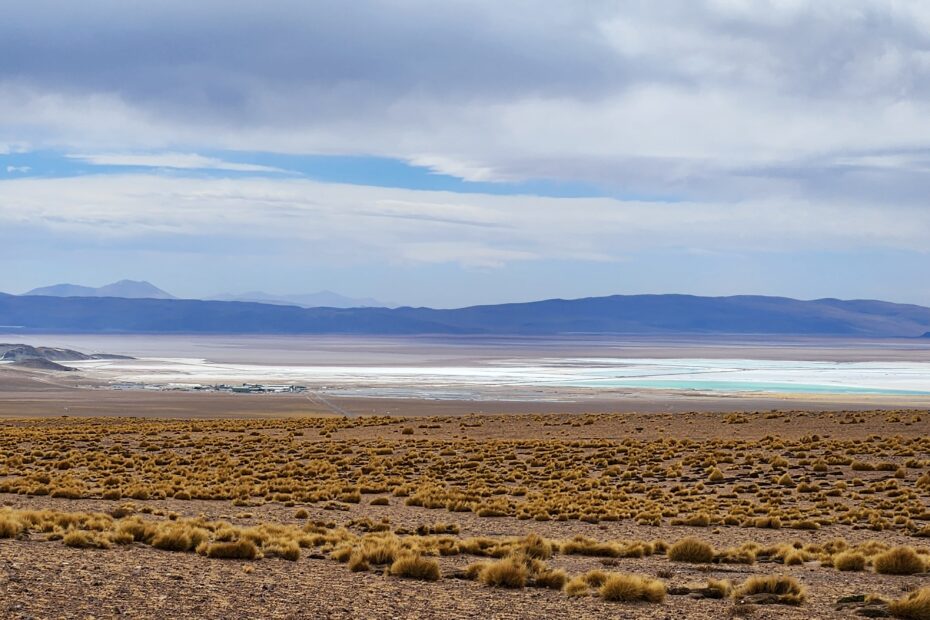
849,561
721,588
793,558
238,550
505,573
576,586
585,546
535,546
358,563
691,550
898,561
10,526
553,579
282,548
914,606
179,537
416,567
595,578
82,539
381,550
473,571
621,587
788,589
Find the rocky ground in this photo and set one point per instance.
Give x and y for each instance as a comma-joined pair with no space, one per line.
46,579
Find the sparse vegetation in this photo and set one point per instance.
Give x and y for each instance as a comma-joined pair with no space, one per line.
849,561
898,561
632,588
415,567
691,550
914,606
760,500
787,589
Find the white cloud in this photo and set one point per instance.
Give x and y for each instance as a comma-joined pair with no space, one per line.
18,169
370,224
181,161
688,96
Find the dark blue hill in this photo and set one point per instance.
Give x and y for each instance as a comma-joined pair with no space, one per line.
619,314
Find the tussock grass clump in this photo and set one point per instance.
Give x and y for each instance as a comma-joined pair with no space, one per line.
849,561
83,539
788,590
357,563
721,588
914,606
416,567
793,558
281,548
595,578
505,573
701,519
535,546
585,546
576,586
239,550
179,537
620,587
691,550
10,526
898,561
553,579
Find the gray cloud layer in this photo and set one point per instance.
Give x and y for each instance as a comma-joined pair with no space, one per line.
754,125
704,98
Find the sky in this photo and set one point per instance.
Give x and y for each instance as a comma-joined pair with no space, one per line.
463,152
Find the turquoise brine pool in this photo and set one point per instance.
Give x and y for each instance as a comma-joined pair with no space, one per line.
745,386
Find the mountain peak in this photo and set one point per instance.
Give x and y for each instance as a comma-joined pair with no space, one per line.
130,289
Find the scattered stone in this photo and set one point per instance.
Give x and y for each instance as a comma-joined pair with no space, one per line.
852,598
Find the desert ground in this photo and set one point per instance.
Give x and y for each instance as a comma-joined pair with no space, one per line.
162,504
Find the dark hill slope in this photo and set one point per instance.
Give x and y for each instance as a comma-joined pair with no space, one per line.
621,314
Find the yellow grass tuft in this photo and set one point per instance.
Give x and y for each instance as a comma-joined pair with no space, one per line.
238,550
788,589
553,579
691,550
849,561
621,587
416,567
576,586
898,561
505,573
914,606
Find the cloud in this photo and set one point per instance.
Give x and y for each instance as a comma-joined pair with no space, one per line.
332,223
703,99
720,126
181,161
19,169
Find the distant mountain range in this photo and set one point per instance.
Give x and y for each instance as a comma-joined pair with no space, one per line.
324,299
133,289
618,314
128,289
